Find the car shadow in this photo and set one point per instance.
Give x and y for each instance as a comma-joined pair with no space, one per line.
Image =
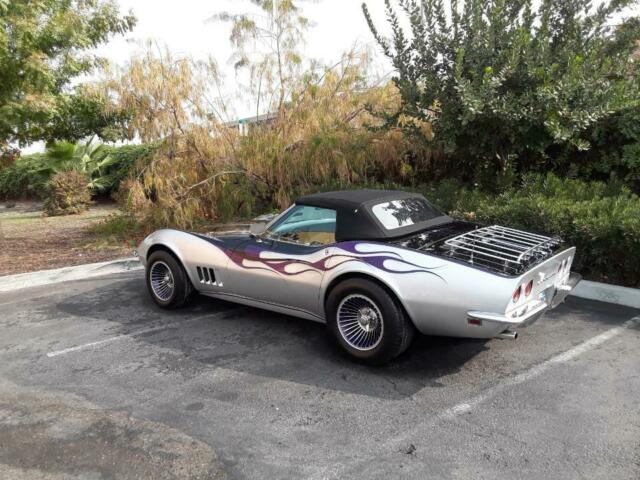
219,334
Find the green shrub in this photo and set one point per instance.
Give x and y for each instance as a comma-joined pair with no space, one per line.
125,159
68,194
28,176
602,220
8,155
517,86
105,166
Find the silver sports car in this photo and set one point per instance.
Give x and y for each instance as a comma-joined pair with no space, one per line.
375,266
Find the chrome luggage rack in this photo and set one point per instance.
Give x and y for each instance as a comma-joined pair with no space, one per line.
501,249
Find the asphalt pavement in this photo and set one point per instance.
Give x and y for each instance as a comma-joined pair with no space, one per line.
97,382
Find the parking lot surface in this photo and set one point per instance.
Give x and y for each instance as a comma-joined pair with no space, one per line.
97,382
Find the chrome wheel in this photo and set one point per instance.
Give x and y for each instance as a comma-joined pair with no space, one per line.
360,322
161,280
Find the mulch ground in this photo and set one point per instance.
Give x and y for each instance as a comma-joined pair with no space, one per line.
30,241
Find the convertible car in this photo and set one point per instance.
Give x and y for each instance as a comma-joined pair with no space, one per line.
375,266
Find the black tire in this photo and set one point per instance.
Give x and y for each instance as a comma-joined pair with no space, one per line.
396,330
181,285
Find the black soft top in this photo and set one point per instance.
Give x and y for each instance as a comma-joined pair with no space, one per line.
356,221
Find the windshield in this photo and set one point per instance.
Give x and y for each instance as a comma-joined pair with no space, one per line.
407,211
305,225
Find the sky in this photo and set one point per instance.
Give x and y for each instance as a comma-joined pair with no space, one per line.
184,27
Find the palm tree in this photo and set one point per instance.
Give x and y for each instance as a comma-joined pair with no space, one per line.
90,158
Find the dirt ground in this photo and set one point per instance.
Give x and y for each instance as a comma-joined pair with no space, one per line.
30,241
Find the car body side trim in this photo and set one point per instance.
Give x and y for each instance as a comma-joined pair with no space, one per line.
275,307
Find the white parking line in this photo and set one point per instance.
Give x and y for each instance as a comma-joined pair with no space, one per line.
99,343
538,369
535,371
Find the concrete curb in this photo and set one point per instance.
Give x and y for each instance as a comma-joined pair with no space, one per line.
79,272
629,297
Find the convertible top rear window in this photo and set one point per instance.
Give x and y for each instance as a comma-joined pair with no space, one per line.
404,212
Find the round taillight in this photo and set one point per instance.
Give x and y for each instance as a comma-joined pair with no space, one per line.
516,294
528,288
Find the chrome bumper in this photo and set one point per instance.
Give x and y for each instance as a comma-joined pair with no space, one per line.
559,295
565,289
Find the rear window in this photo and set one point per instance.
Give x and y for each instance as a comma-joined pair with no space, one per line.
402,213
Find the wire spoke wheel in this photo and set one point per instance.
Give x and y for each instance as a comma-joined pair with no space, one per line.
360,322
161,280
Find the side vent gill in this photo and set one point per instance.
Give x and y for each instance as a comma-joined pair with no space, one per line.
206,275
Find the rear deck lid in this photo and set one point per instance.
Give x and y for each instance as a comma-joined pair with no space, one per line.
500,249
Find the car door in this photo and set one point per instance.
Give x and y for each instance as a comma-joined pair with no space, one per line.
250,274
301,245
284,266
303,275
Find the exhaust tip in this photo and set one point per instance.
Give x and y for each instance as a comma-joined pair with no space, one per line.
509,335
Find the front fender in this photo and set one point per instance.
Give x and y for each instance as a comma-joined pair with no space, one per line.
191,250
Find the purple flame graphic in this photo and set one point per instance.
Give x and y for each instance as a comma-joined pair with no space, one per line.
376,259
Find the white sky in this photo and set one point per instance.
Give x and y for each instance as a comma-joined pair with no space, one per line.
183,27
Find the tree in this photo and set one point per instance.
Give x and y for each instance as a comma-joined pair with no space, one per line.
205,168
44,46
267,44
509,85
91,159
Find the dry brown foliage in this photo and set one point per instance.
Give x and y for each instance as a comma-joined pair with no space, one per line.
325,136
68,194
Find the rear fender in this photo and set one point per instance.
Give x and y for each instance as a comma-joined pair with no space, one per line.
545,278
403,272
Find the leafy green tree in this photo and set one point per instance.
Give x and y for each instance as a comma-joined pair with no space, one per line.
44,46
508,85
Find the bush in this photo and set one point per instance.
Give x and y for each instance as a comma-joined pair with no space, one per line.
68,194
125,159
8,155
28,176
205,170
602,220
119,227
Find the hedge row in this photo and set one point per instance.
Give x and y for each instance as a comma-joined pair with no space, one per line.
601,219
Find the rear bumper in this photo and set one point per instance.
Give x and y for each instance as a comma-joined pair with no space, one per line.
533,312
565,289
